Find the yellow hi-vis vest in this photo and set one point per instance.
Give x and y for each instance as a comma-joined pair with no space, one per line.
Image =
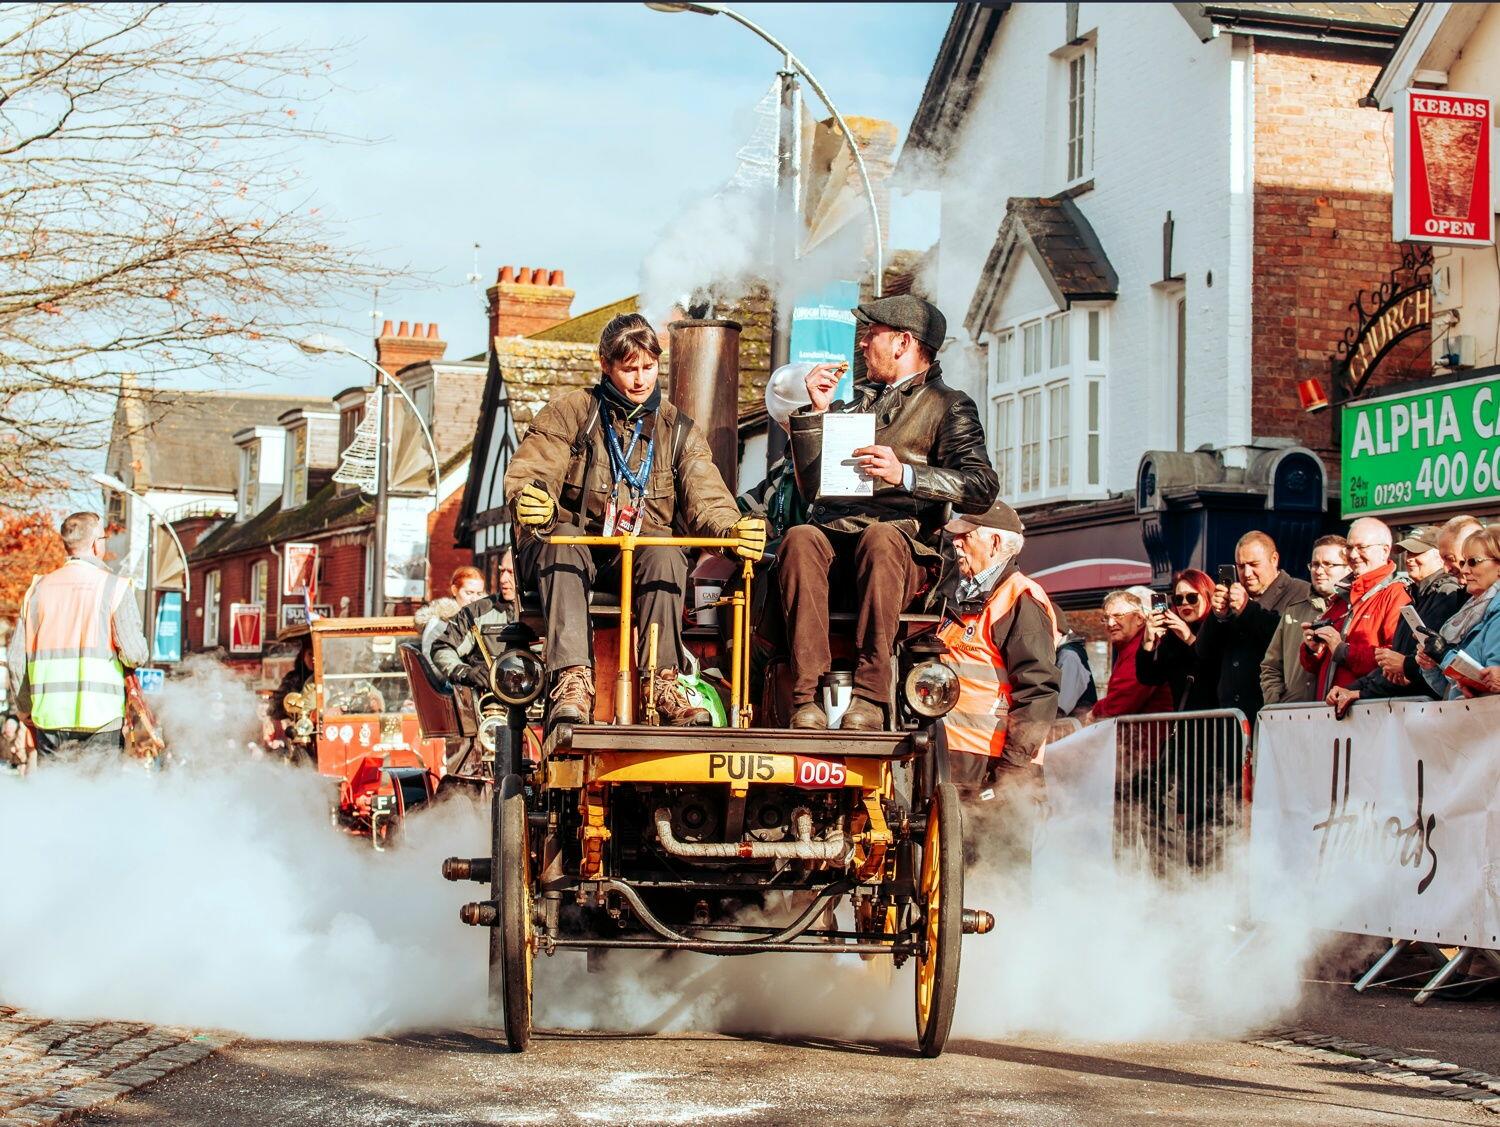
977,723
76,681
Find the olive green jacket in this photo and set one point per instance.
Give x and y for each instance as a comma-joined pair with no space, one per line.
685,492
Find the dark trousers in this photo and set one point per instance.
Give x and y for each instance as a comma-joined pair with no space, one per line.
564,574
63,742
877,564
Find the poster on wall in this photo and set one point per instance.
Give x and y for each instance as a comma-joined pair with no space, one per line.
245,622
1444,182
166,634
295,614
299,569
823,330
406,548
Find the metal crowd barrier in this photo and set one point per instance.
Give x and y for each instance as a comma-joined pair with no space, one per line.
1182,790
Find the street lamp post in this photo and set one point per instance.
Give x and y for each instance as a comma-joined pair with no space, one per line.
153,517
320,343
784,156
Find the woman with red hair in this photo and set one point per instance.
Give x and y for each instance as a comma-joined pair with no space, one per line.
1169,654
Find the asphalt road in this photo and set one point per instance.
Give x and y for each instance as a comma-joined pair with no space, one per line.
459,1077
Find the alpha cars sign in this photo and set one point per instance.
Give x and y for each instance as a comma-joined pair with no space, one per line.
1426,449
1443,172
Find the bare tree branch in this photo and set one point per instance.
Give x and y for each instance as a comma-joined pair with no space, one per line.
155,221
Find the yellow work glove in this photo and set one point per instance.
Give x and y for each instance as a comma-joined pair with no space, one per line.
751,533
535,506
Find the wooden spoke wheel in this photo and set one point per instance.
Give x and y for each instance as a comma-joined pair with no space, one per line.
941,886
512,936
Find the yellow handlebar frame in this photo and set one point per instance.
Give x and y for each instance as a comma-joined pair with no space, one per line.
740,710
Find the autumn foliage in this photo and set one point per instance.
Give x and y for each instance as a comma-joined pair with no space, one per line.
29,545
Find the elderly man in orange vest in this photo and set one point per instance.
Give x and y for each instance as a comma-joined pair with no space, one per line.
1001,636
78,631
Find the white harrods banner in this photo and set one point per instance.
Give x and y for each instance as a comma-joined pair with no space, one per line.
1388,821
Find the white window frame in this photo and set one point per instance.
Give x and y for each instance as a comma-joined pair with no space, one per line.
1079,81
260,581
292,497
1075,468
213,590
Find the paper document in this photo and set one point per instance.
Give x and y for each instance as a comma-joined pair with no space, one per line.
1414,622
843,434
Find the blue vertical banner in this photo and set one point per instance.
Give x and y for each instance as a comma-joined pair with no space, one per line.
823,330
166,639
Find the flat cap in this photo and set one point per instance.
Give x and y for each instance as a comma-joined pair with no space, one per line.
999,516
1423,538
910,314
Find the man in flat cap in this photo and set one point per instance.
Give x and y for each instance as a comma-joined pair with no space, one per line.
929,453
1001,634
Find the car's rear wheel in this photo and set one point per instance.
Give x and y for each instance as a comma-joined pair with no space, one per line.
511,937
941,885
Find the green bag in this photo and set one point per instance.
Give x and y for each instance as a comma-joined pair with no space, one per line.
702,693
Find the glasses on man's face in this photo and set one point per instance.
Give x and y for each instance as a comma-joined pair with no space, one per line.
1129,614
1190,599
1474,561
1364,549
1317,565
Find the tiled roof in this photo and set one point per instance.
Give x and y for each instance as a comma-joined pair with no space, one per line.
1354,25
1064,246
1368,15
586,327
185,439
325,510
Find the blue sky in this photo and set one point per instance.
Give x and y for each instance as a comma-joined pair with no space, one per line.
560,135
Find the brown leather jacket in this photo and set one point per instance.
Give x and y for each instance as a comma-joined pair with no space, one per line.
933,428
693,500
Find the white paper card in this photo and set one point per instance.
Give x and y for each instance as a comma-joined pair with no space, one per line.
844,433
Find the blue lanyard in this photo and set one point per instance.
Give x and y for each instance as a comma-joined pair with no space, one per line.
620,462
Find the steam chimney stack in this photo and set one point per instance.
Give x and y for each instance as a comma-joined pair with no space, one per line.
526,300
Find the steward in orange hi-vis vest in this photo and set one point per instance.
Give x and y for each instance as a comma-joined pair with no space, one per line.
980,721
1001,633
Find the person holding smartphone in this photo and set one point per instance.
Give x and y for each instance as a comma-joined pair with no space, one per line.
1169,644
1249,599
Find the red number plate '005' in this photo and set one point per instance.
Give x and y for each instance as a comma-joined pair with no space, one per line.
818,772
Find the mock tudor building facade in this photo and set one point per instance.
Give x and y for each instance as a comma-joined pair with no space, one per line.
1154,219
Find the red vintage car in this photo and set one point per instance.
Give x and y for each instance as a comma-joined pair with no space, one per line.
359,716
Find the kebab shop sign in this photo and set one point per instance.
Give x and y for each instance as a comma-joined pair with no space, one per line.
1422,449
1443,173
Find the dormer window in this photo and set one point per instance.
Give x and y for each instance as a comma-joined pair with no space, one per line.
294,493
249,492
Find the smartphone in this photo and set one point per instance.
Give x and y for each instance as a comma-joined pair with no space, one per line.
1228,575
1158,603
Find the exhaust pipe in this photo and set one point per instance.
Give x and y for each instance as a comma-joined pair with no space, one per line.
976,921
832,848
481,913
476,869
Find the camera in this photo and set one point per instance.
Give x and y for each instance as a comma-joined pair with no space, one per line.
1228,576
1158,602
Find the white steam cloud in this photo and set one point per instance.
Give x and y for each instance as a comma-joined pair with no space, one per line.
217,894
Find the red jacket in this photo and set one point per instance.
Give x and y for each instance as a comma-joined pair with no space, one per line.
1377,612
1125,695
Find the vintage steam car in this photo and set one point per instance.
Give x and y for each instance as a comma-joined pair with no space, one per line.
623,834
357,717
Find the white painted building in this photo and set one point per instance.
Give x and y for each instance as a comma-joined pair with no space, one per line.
1098,171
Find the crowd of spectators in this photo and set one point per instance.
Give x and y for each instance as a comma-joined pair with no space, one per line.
1370,624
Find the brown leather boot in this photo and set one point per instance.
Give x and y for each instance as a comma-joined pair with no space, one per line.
572,696
863,716
810,716
673,704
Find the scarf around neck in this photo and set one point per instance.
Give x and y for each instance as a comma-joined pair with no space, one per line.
611,398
